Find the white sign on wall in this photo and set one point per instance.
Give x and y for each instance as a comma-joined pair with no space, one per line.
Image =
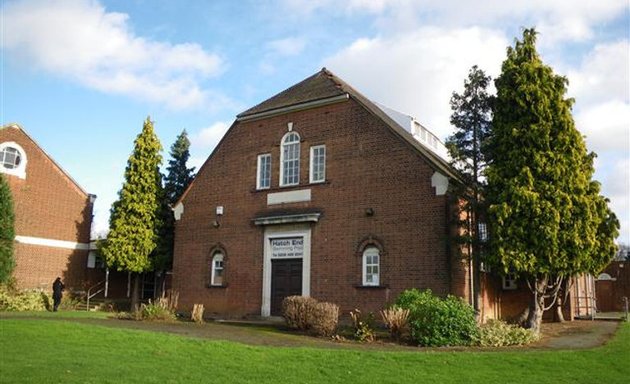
287,247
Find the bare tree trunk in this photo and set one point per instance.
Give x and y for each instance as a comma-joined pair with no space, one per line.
537,303
560,301
135,294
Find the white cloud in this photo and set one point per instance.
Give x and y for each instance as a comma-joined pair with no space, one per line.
80,40
603,74
289,46
417,72
617,188
208,138
606,126
558,20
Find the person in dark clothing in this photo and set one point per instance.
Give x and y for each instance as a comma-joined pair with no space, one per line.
57,293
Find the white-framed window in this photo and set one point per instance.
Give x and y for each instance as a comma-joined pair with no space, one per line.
509,282
263,172
371,266
217,269
12,159
318,164
483,232
290,159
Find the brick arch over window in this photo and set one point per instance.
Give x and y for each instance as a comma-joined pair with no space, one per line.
370,253
217,252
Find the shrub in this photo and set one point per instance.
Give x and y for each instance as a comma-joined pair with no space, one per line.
324,318
14,300
306,313
395,319
363,327
497,333
438,322
157,310
297,311
197,313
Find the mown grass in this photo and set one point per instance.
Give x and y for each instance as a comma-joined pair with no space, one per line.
44,351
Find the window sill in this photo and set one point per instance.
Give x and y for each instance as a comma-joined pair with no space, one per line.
361,286
288,187
216,286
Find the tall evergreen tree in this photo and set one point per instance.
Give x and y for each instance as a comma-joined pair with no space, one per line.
472,119
135,219
177,179
178,176
547,218
7,231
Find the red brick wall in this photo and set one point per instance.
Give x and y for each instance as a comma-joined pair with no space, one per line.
367,166
610,293
38,266
47,205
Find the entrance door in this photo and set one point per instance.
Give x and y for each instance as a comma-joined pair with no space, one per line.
605,296
286,280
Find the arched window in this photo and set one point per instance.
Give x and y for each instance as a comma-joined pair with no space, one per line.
290,159
371,266
216,275
12,159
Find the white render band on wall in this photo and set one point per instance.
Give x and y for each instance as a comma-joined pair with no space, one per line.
52,243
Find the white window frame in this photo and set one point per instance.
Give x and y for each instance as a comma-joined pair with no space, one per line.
218,256
483,232
259,170
312,179
371,251
284,144
20,170
509,282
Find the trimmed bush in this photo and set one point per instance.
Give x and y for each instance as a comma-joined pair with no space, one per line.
438,322
18,301
497,333
297,311
324,319
307,314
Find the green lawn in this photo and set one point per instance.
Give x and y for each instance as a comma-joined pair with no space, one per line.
47,351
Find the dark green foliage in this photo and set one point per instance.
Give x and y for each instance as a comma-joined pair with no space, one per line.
547,218
437,322
472,121
177,179
178,176
7,231
135,217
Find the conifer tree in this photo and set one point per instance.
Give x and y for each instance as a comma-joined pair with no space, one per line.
177,179
547,218
7,231
472,119
135,219
178,176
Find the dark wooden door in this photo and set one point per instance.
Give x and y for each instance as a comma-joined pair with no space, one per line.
605,295
286,280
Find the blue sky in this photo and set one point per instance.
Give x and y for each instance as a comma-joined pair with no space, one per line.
80,76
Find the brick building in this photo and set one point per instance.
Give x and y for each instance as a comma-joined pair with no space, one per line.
317,191
53,214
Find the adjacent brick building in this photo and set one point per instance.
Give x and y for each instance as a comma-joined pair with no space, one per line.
317,191
53,214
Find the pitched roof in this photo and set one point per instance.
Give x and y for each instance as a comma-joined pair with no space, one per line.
317,87
63,171
326,85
